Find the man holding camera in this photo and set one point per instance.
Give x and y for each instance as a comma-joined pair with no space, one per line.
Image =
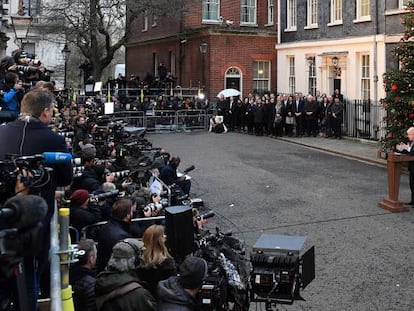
30,135
169,175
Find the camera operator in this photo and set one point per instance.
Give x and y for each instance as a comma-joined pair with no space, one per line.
30,135
12,95
179,293
83,211
81,137
117,229
93,175
169,176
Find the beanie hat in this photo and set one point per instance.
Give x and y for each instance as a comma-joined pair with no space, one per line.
88,151
79,196
192,272
127,248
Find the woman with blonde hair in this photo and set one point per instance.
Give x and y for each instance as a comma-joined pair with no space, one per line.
156,262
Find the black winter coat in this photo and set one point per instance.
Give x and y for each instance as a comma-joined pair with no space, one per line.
151,276
83,284
90,179
173,297
137,299
82,217
110,234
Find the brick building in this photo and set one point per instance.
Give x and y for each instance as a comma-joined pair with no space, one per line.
238,38
337,44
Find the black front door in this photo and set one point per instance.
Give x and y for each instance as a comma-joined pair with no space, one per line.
233,83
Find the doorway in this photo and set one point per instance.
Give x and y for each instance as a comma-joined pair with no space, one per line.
233,79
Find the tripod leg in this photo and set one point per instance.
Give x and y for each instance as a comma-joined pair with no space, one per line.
22,297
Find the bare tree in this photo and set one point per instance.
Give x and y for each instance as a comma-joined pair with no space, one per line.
100,27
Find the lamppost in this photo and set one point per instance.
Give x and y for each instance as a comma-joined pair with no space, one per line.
66,53
21,24
203,51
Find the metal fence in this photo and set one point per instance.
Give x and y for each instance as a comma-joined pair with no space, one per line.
364,119
165,121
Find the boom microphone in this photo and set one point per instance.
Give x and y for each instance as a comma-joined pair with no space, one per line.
51,158
23,211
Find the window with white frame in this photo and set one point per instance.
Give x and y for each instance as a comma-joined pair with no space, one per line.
363,9
292,77
270,11
291,15
261,76
312,75
248,11
145,20
365,77
336,11
402,4
211,10
312,16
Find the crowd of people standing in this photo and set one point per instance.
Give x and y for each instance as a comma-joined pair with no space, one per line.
284,115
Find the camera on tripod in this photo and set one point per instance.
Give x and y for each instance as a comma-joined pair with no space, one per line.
279,272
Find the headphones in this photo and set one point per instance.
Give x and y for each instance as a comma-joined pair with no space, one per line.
136,251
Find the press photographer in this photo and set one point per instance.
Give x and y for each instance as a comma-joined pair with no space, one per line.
31,135
12,94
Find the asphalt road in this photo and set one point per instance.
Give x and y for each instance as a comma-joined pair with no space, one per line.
364,255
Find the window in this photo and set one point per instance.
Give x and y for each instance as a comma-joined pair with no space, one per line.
402,4
291,15
292,77
363,9
336,11
248,11
312,75
270,12
154,20
145,21
261,76
365,77
211,10
312,19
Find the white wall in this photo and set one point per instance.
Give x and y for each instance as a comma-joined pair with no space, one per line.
348,50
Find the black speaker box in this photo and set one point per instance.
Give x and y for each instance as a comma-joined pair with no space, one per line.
180,231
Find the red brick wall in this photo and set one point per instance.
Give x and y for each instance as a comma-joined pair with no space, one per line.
237,46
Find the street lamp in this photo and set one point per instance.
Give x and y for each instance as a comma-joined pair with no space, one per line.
21,24
66,53
203,51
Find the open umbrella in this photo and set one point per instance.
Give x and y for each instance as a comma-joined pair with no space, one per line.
229,92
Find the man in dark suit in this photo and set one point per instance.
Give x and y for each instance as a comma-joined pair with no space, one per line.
223,107
30,135
409,149
310,111
297,108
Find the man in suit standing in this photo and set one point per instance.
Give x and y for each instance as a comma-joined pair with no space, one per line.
30,135
297,108
310,111
409,149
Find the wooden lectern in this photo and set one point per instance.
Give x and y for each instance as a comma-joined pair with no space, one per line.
394,166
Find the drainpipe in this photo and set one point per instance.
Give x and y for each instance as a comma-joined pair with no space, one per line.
375,56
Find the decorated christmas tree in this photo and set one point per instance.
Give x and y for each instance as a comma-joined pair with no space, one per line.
399,87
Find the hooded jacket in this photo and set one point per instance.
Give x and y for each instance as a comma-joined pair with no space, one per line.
173,297
136,299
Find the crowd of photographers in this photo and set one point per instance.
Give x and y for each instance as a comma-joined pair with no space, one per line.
115,177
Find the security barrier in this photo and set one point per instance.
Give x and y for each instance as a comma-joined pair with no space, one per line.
166,121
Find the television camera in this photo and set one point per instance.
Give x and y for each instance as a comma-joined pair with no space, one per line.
278,271
33,170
